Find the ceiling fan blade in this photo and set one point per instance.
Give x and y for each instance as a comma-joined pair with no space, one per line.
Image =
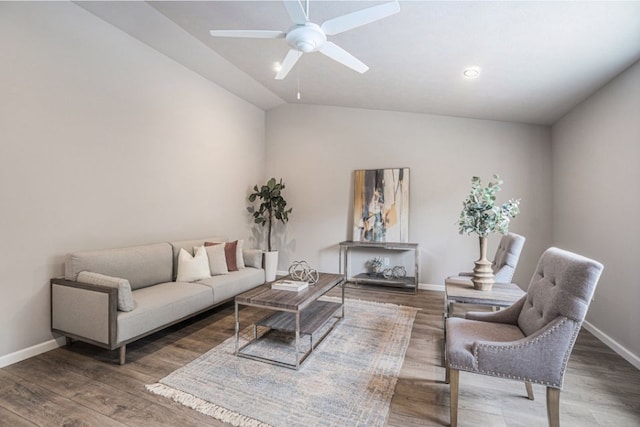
337,53
359,18
254,34
288,63
296,11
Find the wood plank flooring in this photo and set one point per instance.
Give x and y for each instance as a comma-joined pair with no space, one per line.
82,385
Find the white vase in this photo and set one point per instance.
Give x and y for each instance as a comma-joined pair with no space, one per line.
270,265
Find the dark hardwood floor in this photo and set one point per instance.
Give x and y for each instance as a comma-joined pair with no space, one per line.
82,385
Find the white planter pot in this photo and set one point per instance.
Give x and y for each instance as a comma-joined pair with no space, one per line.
270,265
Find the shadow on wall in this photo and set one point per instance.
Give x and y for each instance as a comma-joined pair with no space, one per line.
258,240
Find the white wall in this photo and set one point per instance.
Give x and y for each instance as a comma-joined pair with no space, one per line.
105,142
316,148
596,152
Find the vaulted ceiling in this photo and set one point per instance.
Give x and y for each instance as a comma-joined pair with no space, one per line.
537,59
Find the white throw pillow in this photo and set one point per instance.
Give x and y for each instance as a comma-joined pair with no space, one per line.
252,257
125,297
192,268
239,257
217,259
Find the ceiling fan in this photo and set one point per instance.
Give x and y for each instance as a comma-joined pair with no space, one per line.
305,36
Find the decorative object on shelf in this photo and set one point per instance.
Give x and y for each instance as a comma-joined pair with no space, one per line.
381,205
374,265
300,270
482,216
396,272
272,207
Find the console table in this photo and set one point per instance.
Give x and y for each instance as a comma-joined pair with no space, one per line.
404,284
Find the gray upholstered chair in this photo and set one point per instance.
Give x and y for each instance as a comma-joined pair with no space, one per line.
505,261
531,340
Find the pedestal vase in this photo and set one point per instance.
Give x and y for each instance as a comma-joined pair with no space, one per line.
483,278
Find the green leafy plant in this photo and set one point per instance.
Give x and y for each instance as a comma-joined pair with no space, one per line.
272,206
480,213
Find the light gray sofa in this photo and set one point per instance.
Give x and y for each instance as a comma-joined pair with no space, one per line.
89,313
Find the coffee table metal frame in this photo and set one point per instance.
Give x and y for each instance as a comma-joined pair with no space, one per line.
299,312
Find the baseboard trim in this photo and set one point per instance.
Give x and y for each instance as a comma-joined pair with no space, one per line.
613,344
431,287
35,350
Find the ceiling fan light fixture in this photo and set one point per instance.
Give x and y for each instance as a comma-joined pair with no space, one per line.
471,72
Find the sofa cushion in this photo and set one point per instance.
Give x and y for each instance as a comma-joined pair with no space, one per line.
141,265
252,257
217,260
232,284
160,305
188,246
125,297
192,268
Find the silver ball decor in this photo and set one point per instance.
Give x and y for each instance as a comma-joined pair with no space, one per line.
300,270
396,272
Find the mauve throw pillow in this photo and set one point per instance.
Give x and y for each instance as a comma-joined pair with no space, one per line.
230,249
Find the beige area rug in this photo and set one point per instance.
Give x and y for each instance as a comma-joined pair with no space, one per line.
348,380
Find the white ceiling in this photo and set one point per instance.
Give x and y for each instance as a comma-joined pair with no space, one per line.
538,59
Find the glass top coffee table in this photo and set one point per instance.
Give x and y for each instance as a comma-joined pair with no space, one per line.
300,313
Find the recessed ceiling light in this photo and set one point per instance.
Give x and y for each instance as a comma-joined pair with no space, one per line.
277,66
471,72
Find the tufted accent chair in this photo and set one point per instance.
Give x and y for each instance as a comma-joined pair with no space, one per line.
531,340
505,261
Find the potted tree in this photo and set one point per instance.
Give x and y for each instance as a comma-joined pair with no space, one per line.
482,216
272,207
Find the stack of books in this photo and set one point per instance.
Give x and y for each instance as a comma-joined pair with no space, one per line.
290,285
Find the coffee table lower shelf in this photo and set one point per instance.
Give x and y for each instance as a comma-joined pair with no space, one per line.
311,320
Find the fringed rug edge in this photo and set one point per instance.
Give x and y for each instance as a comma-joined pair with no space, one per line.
204,407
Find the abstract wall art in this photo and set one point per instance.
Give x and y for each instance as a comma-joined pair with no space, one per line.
381,205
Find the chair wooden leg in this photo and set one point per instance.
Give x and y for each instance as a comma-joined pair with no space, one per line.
454,377
123,354
447,374
553,406
529,388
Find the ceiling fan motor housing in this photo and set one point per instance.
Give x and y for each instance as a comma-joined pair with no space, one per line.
306,38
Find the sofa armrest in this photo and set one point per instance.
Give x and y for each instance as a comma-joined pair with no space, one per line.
84,311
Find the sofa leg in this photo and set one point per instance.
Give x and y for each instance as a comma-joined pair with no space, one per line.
553,406
529,388
454,377
123,354
68,340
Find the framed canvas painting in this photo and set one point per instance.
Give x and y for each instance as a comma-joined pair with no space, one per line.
381,205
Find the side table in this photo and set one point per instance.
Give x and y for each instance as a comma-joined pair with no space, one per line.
461,290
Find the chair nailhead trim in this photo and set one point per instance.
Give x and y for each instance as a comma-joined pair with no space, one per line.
565,359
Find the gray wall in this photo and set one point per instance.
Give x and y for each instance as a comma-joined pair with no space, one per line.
105,142
596,169
316,148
